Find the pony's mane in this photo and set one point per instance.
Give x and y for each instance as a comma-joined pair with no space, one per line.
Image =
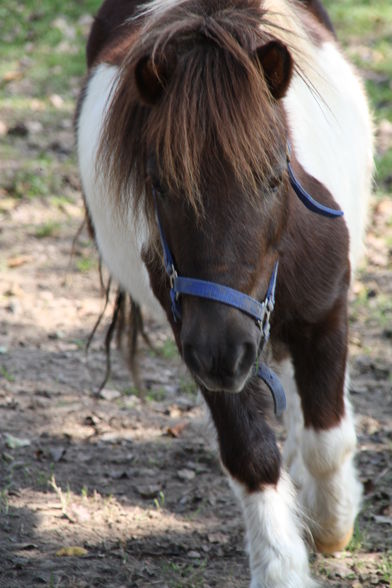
216,110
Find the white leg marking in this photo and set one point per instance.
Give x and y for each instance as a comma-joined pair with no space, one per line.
321,466
277,552
330,491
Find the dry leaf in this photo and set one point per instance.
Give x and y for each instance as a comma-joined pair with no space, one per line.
176,430
57,453
186,475
12,76
72,551
149,490
109,394
15,443
382,520
18,261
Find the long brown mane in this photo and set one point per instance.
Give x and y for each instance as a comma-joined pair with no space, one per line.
216,109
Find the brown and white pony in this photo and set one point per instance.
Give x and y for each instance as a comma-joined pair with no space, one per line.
196,101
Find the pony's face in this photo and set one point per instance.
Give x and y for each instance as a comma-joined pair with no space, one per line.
233,242
229,231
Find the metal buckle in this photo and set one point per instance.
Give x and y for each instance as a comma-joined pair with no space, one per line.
260,322
264,322
172,276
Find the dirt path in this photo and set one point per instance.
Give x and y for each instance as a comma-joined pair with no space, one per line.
137,485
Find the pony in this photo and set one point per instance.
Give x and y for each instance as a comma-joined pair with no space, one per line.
219,144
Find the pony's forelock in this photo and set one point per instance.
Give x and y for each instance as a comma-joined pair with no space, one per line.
216,113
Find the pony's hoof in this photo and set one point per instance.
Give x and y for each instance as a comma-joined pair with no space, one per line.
332,547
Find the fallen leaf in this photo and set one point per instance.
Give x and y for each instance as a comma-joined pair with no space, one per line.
108,394
72,551
382,520
12,76
18,261
15,443
186,475
193,554
79,513
176,430
56,100
57,453
218,538
118,474
149,490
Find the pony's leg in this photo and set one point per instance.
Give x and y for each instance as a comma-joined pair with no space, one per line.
293,420
329,490
250,456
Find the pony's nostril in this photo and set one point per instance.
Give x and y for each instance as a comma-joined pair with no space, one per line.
246,356
197,361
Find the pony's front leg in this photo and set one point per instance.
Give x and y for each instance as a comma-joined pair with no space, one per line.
250,456
328,486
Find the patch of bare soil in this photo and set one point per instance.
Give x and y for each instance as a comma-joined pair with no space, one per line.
135,487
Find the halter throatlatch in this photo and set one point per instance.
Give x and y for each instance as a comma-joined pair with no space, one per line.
259,311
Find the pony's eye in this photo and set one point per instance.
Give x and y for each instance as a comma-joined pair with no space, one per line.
274,183
157,189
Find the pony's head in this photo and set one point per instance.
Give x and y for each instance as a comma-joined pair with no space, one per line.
196,117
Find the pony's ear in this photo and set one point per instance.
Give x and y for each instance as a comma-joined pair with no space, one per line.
152,77
277,65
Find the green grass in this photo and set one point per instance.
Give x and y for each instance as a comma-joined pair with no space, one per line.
6,374
183,575
49,229
44,44
42,48
168,350
156,395
4,502
86,264
357,540
386,569
188,386
45,40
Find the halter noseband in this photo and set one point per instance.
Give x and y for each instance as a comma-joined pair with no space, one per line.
259,311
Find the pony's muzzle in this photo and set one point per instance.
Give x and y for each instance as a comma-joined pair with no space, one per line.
220,366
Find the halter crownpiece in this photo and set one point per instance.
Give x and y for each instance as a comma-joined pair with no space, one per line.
306,199
259,311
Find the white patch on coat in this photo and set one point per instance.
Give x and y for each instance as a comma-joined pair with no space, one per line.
321,466
292,416
277,551
330,491
119,238
332,136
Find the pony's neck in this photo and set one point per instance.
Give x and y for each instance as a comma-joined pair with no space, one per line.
314,263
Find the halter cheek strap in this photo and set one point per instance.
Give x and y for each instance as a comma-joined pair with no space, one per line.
259,311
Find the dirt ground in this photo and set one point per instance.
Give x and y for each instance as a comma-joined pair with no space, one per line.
135,486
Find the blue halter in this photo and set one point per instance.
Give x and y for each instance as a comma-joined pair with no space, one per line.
259,311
